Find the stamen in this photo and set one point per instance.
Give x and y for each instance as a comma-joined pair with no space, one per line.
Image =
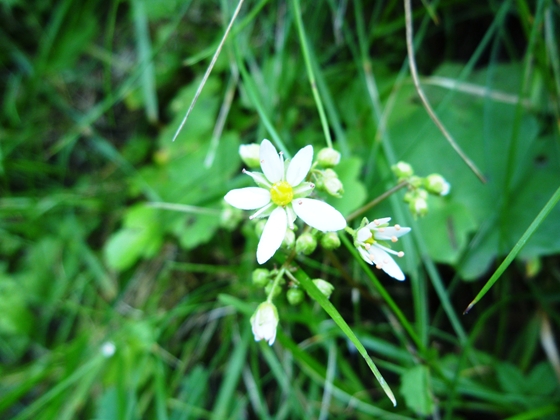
367,246
400,254
381,230
385,261
397,227
376,222
379,266
394,239
300,202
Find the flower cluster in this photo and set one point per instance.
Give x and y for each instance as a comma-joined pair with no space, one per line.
282,196
372,241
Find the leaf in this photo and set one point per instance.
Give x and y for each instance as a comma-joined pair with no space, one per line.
141,236
415,388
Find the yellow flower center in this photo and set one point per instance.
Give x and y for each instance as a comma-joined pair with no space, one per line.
281,193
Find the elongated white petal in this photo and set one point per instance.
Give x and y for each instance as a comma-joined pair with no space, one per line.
384,261
365,255
300,166
377,222
273,235
249,198
389,232
318,214
271,163
363,234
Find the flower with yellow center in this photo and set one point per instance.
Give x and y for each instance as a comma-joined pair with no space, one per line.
370,243
281,195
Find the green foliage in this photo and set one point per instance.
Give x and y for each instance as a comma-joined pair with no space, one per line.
125,294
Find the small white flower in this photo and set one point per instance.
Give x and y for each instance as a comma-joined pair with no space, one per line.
280,195
264,322
369,243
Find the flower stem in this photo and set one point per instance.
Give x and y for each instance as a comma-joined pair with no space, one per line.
376,201
275,284
309,68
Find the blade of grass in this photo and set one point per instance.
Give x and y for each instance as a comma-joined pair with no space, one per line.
145,54
518,246
316,294
209,69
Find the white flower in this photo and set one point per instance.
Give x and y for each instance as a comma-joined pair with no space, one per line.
281,195
264,322
369,243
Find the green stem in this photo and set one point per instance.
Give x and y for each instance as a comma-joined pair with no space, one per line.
275,284
376,201
309,68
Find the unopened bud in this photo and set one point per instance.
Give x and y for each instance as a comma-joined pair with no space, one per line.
436,184
334,187
295,296
264,322
250,155
324,286
230,217
306,243
328,157
330,240
277,289
289,239
418,207
260,277
402,170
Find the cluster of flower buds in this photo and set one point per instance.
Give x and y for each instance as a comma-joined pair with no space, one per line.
326,179
419,188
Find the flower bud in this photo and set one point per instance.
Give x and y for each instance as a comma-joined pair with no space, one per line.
289,239
306,243
277,289
328,157
330,240
230,217
250,155
402,170
324,286
334,187
436,184
418,206
259,227
264,322
260,277
295,296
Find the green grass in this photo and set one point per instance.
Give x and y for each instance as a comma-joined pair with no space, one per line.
111,234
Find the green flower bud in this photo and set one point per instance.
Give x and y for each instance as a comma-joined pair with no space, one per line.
324,286
334,187
259,227
402,170
260,277
328,157
295,296
230,217
418,206
306,243
289,239
436,184
250,155
330,240
277,289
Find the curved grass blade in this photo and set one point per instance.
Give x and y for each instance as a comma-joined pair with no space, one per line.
316,294
513,253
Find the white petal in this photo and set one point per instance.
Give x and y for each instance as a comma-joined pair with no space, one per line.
363,234
300,166
271,163
318,214
273,235
249,198
390,232
386,262
365,255
377,222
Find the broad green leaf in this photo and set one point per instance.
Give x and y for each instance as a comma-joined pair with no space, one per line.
415,388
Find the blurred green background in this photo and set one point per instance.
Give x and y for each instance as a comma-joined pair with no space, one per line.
125,283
